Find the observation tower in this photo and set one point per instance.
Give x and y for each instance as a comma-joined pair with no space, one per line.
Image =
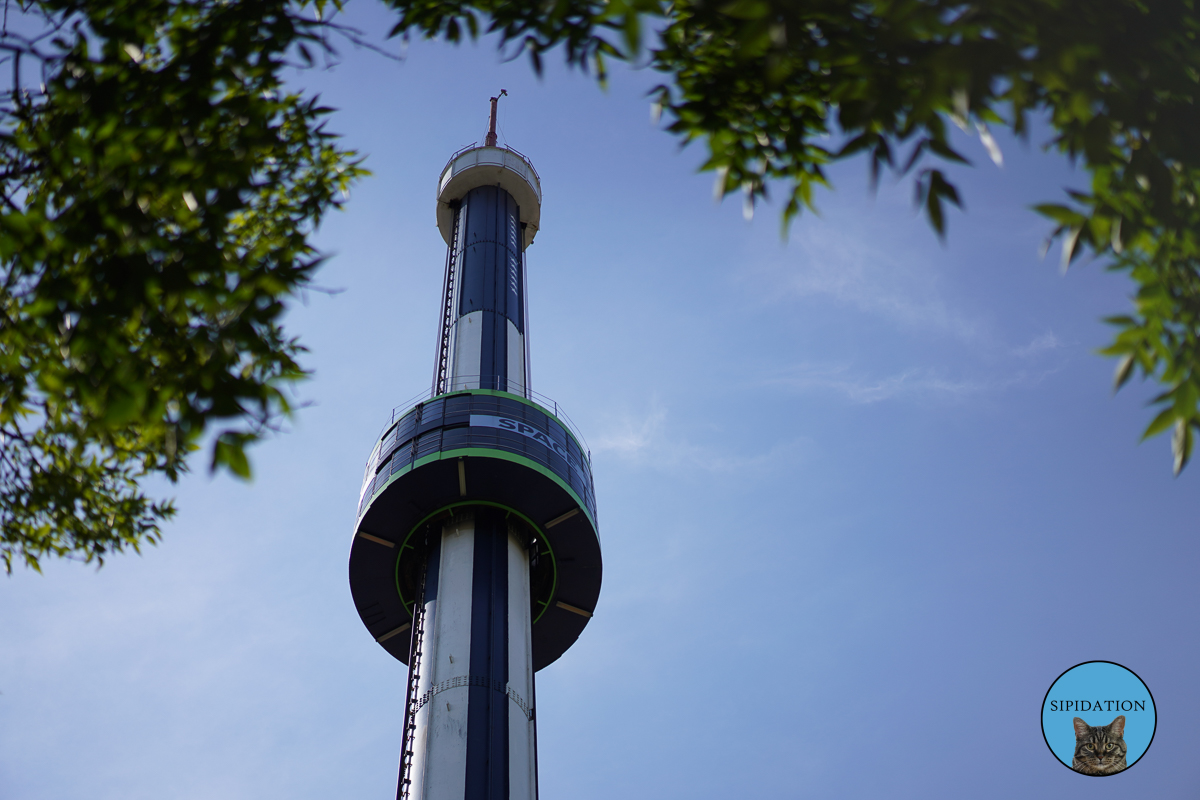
475,558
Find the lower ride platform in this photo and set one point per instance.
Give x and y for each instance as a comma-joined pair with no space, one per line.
478,449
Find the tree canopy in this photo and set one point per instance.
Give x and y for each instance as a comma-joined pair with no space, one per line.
768,84
159,189
161,186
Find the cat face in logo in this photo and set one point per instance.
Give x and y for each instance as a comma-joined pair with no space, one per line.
1099,750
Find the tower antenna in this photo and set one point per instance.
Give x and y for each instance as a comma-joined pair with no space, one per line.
490,141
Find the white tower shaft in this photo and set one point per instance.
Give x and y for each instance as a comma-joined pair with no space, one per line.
475,735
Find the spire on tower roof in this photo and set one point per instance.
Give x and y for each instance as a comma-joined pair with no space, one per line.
490,140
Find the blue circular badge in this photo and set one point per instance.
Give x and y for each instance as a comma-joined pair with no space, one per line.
1098,718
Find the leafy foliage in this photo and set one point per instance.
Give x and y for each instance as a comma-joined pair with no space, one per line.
159,190
159,187
780,89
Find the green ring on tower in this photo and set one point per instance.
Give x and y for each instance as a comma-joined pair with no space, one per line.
542,539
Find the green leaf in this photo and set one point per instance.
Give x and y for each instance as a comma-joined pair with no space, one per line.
1165,419
1059,213
945,151
1068,246
1123,372
230,452
1181,445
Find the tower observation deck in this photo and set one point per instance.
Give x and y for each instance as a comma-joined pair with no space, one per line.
475,558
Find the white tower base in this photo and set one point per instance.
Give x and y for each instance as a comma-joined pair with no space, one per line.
475,734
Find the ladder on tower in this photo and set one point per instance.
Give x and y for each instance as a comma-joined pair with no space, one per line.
443,360
411,697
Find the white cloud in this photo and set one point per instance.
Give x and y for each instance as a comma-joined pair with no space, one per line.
1040,344
645,439
631,435
912,384
853,270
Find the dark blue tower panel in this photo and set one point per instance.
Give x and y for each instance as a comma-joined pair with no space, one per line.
491,260
491,283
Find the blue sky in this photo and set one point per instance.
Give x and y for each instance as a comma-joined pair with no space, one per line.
862,496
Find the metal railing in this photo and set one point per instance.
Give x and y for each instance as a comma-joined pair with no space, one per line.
474,146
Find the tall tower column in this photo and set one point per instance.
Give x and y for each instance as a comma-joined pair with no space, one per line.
476,558
474,733
486,345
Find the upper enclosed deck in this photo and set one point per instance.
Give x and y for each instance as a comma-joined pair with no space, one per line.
475,166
